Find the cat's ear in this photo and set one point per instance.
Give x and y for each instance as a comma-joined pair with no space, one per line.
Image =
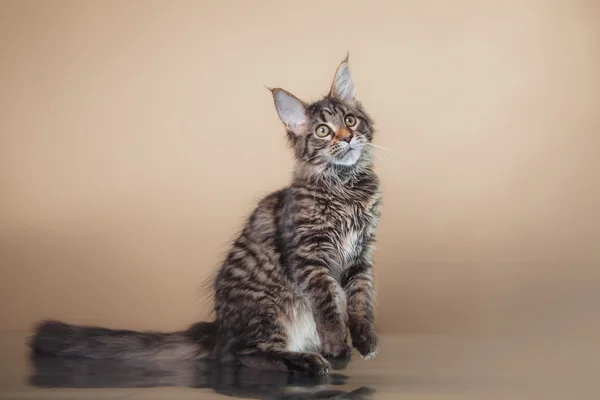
291,110
342,87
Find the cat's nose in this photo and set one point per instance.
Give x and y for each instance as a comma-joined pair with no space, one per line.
344,135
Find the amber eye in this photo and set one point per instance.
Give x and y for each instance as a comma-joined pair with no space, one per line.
350,120
323,130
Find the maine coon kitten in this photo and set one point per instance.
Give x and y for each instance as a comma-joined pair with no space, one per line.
300,274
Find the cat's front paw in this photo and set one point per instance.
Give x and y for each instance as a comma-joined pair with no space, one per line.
366,342
334,344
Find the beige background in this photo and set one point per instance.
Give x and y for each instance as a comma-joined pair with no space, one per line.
136,136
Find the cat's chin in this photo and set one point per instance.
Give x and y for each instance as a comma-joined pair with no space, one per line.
349,159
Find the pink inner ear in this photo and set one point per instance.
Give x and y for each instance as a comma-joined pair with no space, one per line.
291,110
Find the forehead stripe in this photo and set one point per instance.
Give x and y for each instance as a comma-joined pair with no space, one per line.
322,116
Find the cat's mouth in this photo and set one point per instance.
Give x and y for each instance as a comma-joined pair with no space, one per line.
346,152
349,156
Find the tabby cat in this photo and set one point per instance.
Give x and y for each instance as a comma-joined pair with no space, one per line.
300,274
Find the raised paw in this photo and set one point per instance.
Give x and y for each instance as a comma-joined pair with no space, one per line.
366,342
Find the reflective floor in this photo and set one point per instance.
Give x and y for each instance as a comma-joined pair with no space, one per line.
408,367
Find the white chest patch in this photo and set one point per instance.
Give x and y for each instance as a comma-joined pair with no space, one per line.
349,246
302,330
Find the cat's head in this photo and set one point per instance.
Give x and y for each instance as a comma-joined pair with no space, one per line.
334,131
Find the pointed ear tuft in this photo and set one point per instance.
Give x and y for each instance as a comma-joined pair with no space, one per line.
343,85
291,110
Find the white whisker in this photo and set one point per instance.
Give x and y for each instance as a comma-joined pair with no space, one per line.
383,148
380,159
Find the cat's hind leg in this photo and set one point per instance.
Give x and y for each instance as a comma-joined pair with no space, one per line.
273,358
266,345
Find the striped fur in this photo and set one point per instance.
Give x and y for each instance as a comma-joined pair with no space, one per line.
300,276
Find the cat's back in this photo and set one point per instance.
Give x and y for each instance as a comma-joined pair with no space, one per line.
251,274
259,234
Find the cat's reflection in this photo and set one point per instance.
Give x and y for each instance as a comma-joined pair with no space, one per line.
235,381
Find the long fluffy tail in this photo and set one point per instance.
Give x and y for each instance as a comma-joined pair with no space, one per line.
60,339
